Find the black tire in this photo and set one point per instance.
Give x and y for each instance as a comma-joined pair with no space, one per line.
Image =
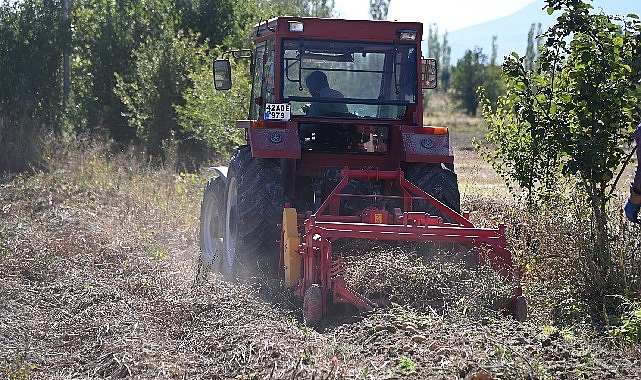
439,181
212,228
313,306
254,212
519,308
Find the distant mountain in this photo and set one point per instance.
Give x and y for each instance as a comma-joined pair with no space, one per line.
512,31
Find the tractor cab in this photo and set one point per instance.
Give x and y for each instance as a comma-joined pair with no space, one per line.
338,84
373,70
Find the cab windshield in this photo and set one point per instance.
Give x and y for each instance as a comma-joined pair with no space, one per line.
349,79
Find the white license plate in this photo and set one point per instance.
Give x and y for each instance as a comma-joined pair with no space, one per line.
277,111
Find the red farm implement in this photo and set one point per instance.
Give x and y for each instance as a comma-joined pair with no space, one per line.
308,265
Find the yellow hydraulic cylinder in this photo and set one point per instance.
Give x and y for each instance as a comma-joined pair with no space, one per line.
291,242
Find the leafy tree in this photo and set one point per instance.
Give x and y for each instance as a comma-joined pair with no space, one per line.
126,39
106,33
378,9
468,76
31,43
572,116
303,8
31,47
220,22
445,71
161,76
494,84
442,52
495,49
533,46
270,8
320,8
433,46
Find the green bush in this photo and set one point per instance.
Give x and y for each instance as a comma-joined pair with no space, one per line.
569,121
209,115
628,324
161,75
31,44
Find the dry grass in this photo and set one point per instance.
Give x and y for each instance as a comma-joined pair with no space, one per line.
430,278
97,281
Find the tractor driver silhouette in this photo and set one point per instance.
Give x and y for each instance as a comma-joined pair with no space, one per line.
318,87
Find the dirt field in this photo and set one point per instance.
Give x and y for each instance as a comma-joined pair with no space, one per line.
97,281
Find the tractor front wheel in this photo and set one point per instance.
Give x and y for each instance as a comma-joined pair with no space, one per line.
212,226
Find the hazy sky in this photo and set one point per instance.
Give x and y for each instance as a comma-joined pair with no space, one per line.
450,15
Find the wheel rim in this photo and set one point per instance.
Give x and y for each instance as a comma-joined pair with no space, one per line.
230,226
210,238
211,232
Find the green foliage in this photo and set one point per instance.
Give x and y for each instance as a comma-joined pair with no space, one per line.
17,372
533,46
319,8
628,324
130,65
31,40
126,42
523,154
106,33
468,76
31,43
218,22
571,118
209,115
161,76
474,74
630,327
494,86
574,115
441,51
406,365
304,8
445,71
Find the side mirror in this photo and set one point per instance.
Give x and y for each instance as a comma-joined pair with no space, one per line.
222,74
428,73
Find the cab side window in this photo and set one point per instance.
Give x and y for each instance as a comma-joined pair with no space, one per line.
263,81
256,105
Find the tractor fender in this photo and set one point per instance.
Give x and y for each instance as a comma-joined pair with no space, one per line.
221,171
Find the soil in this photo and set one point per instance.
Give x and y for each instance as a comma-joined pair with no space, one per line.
97,284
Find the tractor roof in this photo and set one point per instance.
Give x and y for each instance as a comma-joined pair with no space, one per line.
340,29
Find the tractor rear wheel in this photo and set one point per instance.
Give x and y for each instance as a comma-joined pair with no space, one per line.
212,227
253,211
439,181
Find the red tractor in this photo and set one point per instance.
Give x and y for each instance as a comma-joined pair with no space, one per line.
336,149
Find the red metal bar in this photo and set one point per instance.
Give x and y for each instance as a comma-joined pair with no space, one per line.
327,225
